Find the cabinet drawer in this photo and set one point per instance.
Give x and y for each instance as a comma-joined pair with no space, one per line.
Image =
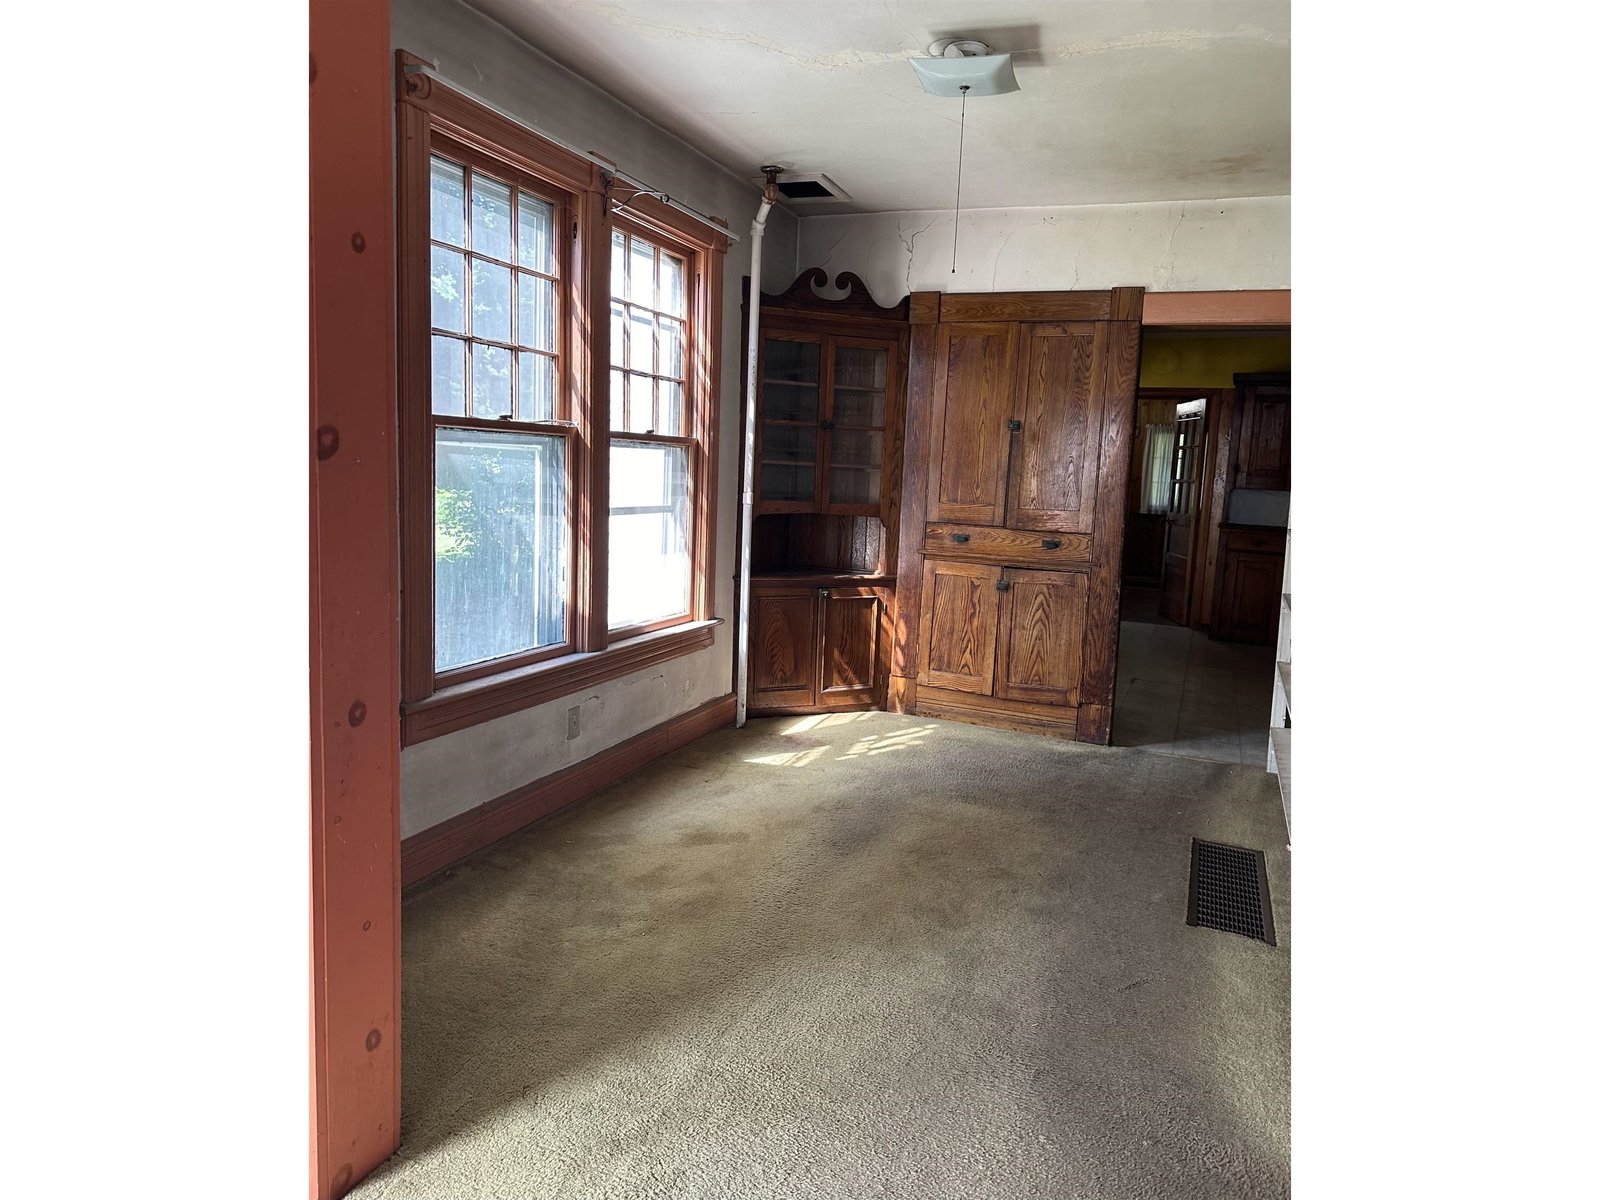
991,544
1262,541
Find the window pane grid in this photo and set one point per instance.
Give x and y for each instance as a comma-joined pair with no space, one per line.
496,287
653,462
649,336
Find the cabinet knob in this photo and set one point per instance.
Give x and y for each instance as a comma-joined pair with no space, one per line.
1002,585
824,592
960,537
1014,425
1050,544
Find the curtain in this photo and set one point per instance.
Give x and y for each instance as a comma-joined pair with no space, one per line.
1156,482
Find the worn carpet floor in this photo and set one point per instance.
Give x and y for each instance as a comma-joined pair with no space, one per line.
864,955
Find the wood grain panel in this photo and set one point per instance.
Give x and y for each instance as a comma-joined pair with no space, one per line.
1020,547
1121,376
920,378
1053,720
849,666
973,400
783,648
1027,306
959,611
1056,455
1041,629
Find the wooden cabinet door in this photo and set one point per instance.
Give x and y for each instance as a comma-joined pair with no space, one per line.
1264,438
849,667
960,606
1252,592
1043,615
1055,456
973,395
783,648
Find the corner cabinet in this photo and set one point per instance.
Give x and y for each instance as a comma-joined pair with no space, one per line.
818,648
830,416
822,413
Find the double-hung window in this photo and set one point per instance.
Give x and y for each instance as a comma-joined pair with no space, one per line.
558,415
502,537
652,441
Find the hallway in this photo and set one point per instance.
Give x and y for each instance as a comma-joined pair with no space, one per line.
1180,693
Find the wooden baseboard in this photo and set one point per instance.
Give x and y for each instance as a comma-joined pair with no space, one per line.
448,842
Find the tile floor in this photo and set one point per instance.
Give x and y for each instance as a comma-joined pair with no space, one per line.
1179,692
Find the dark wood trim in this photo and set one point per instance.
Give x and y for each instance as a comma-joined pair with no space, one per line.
921,373
663,221
1121,387
1025,716
472,703
423,854
414,420
1248,309
353,801
1219,459
1027,306
487,131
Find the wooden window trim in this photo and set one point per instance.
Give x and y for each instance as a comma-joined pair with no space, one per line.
430,117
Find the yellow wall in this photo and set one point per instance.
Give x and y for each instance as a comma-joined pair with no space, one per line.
1172,359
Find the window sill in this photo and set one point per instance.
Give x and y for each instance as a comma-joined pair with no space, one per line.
480,700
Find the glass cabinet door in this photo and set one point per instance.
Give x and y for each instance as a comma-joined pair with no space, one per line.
790,409
860,396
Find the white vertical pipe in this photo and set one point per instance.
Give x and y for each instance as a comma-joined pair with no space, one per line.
747,498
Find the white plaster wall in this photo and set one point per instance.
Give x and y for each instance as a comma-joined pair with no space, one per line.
1182,246
449,775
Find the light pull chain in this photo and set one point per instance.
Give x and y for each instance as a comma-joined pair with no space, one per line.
961,151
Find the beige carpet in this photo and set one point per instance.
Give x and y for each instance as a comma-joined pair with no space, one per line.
857,956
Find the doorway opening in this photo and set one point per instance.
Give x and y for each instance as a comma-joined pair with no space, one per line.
1204,548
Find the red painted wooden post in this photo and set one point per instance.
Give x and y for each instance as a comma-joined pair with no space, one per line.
355,736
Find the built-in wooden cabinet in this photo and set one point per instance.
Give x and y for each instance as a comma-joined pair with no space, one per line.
1263,456
1249,585
1018,439
817,648
830,417
824,410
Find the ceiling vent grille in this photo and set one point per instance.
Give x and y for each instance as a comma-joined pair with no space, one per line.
808,189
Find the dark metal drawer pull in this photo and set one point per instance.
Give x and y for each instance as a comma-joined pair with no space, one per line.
960,537
1002,585
1050,544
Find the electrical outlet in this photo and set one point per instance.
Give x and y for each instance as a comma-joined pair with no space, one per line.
572,723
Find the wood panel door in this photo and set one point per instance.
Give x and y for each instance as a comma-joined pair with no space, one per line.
783,648
970,439
960,609
1263,437
1042,619
849,667
1055,455
1252,592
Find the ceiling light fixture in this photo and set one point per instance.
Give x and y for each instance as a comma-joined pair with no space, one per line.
963,67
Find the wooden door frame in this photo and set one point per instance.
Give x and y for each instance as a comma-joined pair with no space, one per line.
354,610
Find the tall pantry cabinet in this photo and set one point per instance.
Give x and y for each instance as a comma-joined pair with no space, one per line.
1018,430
